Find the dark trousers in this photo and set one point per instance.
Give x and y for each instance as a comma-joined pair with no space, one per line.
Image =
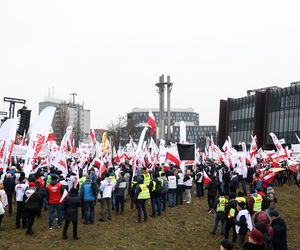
199,189
41,202
164,197
20,214
66,226
30,214
180,190
1,217
89,209
216,223
226,188
211,200
119,201
228,225
133,203
241,238
156,205
9,199
142,207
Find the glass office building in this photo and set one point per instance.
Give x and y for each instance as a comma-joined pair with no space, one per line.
283,116
261,112
241,119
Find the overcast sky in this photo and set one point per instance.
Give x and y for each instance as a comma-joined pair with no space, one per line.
112,52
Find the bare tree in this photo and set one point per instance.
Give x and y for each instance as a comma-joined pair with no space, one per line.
115,129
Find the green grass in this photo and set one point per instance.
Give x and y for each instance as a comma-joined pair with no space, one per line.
182,227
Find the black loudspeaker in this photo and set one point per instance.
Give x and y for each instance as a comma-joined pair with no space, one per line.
24,121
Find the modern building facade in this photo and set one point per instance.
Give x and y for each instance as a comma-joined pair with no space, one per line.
69,114
261,112
194,132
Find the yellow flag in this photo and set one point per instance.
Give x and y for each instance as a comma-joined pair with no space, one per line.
104,138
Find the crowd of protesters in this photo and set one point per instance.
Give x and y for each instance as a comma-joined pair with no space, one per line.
244,206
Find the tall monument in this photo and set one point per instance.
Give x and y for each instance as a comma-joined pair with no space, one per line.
161,90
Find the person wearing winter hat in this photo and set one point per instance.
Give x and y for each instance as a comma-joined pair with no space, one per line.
226,245
55,191
255,240
32,204
243,223
142,195
279,228
9,187
70,210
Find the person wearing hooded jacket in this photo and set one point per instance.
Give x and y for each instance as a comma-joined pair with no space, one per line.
54,192
230,215
70,210
243,223
279,229
188,183
106,188
32,199
9,187
120,188
89,201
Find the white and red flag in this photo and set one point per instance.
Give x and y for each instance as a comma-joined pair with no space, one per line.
23,142
38,138
171,156
151,122
206,179
92,136
60,162
277,142
253,146
51,136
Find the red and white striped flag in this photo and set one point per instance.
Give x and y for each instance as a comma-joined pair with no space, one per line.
151,122
23,142
170,156
206,179
92,136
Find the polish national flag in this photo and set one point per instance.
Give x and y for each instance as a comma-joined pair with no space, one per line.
97,163
151,122
23,142
172,158
92,136
206,179
102,169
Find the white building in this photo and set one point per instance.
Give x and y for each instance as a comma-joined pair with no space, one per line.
69,114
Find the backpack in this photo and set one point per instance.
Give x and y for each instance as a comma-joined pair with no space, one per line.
95,189
165,186
158,189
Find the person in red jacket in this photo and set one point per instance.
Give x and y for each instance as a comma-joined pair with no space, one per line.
55,192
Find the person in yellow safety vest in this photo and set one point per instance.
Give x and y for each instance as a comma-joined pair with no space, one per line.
146,176
82,180
230,214
219,207
241,198
142,195
258,200
112,176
